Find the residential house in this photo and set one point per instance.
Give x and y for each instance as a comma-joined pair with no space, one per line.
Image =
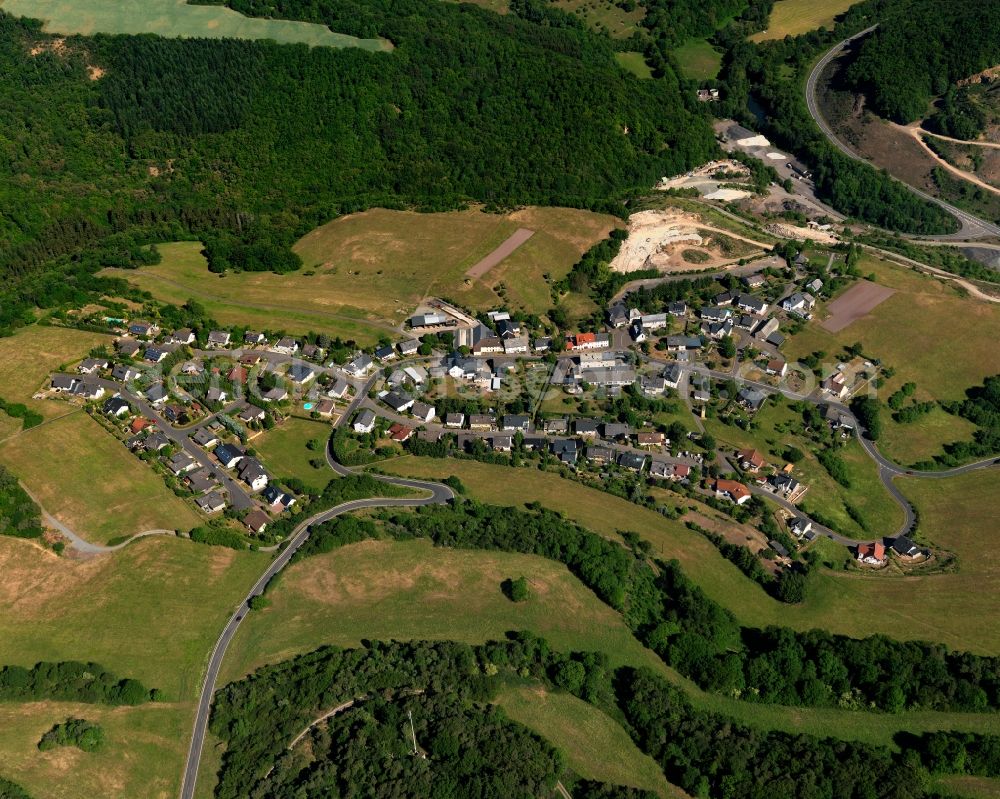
364,422
124,373
143,329
237,375
586,428
754,281
360,366
276,394
566,451
784,483
140,423
653,386
715,314
613,430
454,420
128,347
838,420
324,408
286,346
673,375
154,354
117,407
399,401
718,330
633,461
482,421
798,303
872,554
652,438
253,473
513,422
800,526
251,414
277,499
750,460
502,442
416,374
423,411
588,341
556,426
542,344
731,490
212,502
599,454
507,328
155,441
751,304
618,315
64,383
313,352
815,285
204,437
487,346
677,308
301,373
598,360
201,481
253,338
776,366
215,394
93,365
229,455
653,321
751,398
906,549
339,388
409,347
836,385
684,343
766,329
88,390
256,521
181,463
156,394
386,353
747,322
515,345
775,339
184,337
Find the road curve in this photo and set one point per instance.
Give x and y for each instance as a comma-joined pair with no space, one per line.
971,226
438,494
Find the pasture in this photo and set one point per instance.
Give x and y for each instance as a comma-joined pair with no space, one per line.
143,751
283,451
944,607
596,747
151,611
635,63
794,17
908,332
84,477
396,590
175,18
365,273
605,16
29,356
698,60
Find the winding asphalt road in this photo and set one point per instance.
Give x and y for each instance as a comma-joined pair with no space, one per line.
438,494
971,226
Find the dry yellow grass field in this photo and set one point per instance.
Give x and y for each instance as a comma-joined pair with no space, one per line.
84,477
794,17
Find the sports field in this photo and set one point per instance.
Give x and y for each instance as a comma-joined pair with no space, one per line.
283,451
941,607
175,18
792,17
698,60
596,747
84,477
151,611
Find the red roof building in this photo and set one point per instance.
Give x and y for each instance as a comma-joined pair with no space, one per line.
737,492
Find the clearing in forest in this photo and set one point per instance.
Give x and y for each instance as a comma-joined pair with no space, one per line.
175,18
793,17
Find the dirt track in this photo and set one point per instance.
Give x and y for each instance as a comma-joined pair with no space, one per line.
515,240
855,303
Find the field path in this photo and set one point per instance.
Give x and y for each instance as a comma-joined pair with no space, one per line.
515,240
992,144
916,133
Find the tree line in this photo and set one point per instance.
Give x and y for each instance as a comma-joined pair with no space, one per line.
72,681
694,634
19,515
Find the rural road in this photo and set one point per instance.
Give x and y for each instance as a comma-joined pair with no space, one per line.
439,494
971,226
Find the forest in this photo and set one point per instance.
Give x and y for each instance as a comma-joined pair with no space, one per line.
920,50
773,73
19,515
72,681
469,106
693,634
447,686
